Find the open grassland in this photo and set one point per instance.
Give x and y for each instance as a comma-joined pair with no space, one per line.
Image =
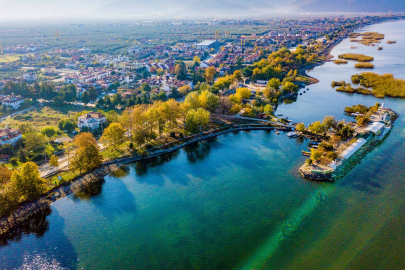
42,117
9,58
356,57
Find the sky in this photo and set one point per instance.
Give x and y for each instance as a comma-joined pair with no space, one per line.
47,9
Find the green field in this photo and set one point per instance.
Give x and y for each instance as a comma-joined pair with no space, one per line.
9,58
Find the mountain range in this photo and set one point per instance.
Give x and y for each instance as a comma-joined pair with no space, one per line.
132,9
232,8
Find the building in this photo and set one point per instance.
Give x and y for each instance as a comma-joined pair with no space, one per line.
29,77
50,70
9,135
11,101
91,121
207,44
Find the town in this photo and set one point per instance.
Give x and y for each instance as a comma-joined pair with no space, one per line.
71,107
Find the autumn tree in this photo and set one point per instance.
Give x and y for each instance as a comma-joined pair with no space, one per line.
113,135
87,156
27,182
244,92
54,162
183,90
209,74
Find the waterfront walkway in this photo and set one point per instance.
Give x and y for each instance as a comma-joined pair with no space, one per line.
27,210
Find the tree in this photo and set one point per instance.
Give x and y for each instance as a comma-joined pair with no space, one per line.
92,94
274,83
34,141
67,124
87,156
196,119
113,135
27,182
315,155
145,87
49,132
268,109
237,75
290,87
196,59
317,127
183,90
209,74
208,101
329,121
300,127
244,92
54,162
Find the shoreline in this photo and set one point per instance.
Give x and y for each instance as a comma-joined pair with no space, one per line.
28,209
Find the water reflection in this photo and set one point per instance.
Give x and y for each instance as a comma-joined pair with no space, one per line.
90,190
36,224
198,151
121,172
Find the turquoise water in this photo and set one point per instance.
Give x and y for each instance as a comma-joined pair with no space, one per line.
237,201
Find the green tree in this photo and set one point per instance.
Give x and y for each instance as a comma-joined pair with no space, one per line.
196,120
27,182
49,132
268,109
274,83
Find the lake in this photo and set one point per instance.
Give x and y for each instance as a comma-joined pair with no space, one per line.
237,201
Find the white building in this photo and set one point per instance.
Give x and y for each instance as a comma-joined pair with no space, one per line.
9,135
207,44
28,76
91,120
12,101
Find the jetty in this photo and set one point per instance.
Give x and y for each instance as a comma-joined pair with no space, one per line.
366,140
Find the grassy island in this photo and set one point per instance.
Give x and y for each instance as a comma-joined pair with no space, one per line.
364,65
356,57
340,62
373,84
367,38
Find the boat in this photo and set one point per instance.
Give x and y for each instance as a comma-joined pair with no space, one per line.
314,142
277,132
307,88
306,153
279,115
288,120
300,94
292,134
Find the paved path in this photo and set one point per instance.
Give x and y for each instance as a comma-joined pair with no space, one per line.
19,112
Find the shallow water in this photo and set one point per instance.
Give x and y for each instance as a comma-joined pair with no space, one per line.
237,201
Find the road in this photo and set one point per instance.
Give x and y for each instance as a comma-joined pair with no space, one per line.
19,112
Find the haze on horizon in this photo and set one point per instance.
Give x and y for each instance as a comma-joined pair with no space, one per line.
16,10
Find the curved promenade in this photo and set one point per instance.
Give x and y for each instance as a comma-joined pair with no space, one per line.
26,210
